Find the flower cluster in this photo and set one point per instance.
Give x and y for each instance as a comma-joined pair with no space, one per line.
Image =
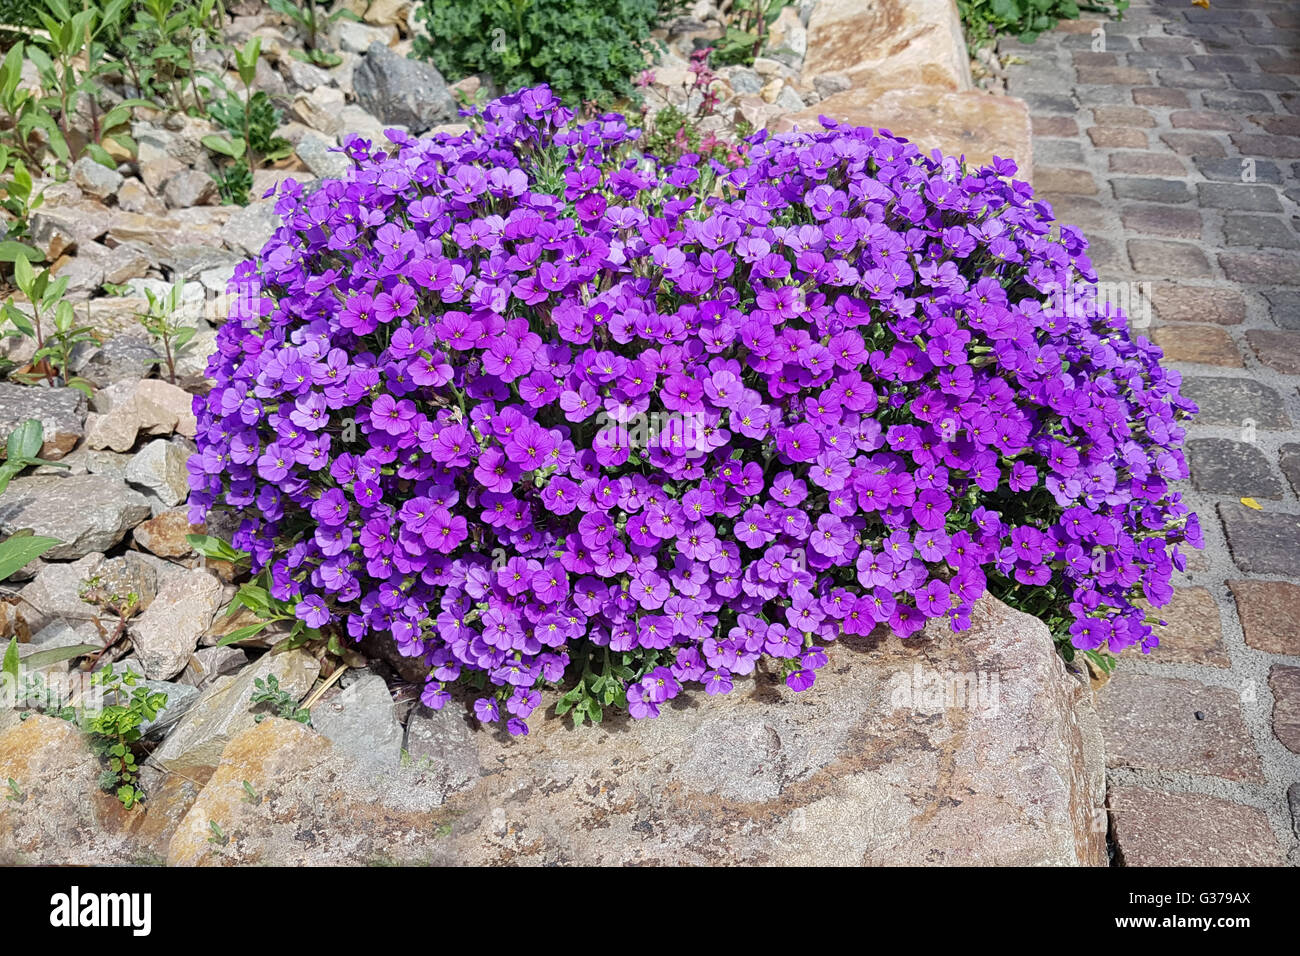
891,415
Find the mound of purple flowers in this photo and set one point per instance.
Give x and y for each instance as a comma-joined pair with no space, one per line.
531,405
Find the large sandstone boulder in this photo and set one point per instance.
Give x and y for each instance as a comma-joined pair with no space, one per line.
888,44
971,124
55,811
944,749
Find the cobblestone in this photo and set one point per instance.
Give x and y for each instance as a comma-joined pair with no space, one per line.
1196,171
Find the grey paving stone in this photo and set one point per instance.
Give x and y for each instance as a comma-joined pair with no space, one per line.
1234,100
1260,231
1284,308
1230,169
1239,197
1151,190
1236,401
1262,542
1223,467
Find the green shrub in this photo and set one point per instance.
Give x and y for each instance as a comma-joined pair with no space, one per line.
587,50
19,13
985,20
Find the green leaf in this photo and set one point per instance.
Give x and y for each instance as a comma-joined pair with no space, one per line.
210,547
100,155
243,633
12,251
25,441
232,146
58,655
10,665
24,276
18,551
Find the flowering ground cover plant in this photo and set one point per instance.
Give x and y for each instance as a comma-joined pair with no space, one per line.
870,410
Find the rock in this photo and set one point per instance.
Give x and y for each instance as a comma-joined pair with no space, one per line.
270,179
975,125
179,227
108,463
360,38
95,179
59,816
440,743
889,44
398,90
165,408
389,12
152,406
192,364
217,280
942,749
223,711
787,39
361,721
168,632
160,468
54,595
250,228
320,109
156,165
268,79
190,187
303,76
353,119
61,412
320,158
883,761
126,261
84,512
190,260
744,80
133,196
86,218
51,235
788,98
304,788
121,357
165,535
830,84
208,663
180,698
84,271
115,429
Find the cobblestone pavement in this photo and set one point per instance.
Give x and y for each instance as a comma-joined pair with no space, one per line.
1172,138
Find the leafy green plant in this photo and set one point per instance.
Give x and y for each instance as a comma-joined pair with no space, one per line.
746,30
985,20
22,111
16,183
160,48
115,730
256,596
587,50
313,22
21,451
70,59
250,123
267,693
53,354
162,320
